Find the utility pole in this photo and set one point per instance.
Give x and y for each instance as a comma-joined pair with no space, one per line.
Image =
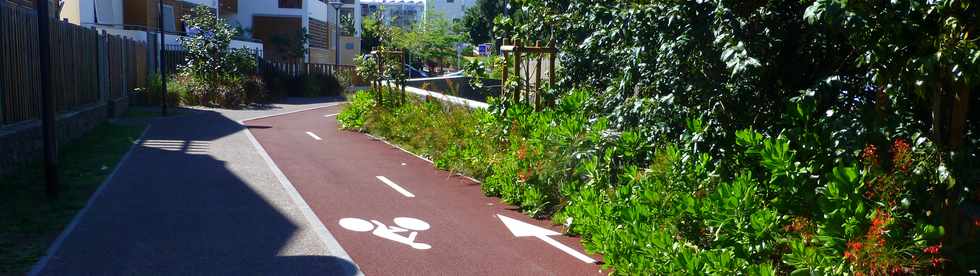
336,36
162,61
52,185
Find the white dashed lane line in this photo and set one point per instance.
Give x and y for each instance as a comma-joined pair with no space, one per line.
392,184
314,136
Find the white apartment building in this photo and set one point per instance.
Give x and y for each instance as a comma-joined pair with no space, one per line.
273,25
452,10
401,13
278,23
137,19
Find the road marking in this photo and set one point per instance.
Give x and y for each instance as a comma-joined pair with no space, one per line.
313,135
523,229
395,186
333,247
331,115
404,224
242,122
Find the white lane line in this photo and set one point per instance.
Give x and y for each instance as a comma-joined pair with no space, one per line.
331,115
395,186
314,136
332,245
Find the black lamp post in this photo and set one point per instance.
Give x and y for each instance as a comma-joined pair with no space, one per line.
48,111
336,37
163,69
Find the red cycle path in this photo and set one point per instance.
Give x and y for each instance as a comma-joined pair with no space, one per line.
336,176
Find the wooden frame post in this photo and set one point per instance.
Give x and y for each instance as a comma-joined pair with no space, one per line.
532,92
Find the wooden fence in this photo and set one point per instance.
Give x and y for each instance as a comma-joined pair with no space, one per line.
126,62
86,67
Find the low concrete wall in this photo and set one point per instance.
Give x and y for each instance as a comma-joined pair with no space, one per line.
456,86
21,143
118,107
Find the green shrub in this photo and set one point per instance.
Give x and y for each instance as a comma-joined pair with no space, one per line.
216,75
674,208
354,115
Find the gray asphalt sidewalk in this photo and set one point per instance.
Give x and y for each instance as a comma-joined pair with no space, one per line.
196,197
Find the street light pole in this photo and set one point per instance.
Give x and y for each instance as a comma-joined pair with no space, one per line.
336,37
163,68
50,142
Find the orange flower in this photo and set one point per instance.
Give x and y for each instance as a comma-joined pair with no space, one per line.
523,176
522,153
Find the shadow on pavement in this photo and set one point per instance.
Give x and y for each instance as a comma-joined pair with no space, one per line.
173,209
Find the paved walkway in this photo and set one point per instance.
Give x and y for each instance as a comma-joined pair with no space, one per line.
196,197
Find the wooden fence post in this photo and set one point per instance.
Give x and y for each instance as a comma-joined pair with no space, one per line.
4,89
100,65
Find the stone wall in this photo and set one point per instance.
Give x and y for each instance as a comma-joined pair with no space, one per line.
21,143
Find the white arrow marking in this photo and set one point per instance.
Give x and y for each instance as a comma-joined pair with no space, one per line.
523,229
395,186
313,135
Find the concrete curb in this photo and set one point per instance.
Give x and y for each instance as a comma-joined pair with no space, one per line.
328,240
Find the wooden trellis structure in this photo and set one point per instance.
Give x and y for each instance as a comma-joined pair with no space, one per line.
526,59
384,57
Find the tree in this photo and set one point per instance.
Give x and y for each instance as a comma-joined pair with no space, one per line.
431,41
210,61
478,21
370,33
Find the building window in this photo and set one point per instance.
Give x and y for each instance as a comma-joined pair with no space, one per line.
347,22
290,4
450,1
169,21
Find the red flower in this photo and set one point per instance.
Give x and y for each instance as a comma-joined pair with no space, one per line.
870,155
936,262
855,245
933,249
900,155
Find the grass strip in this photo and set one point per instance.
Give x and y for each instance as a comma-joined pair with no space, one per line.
29,221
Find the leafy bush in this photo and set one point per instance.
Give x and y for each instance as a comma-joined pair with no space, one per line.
214,73
355,113
151,94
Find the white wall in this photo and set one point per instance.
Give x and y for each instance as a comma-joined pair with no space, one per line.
140,36
249,8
